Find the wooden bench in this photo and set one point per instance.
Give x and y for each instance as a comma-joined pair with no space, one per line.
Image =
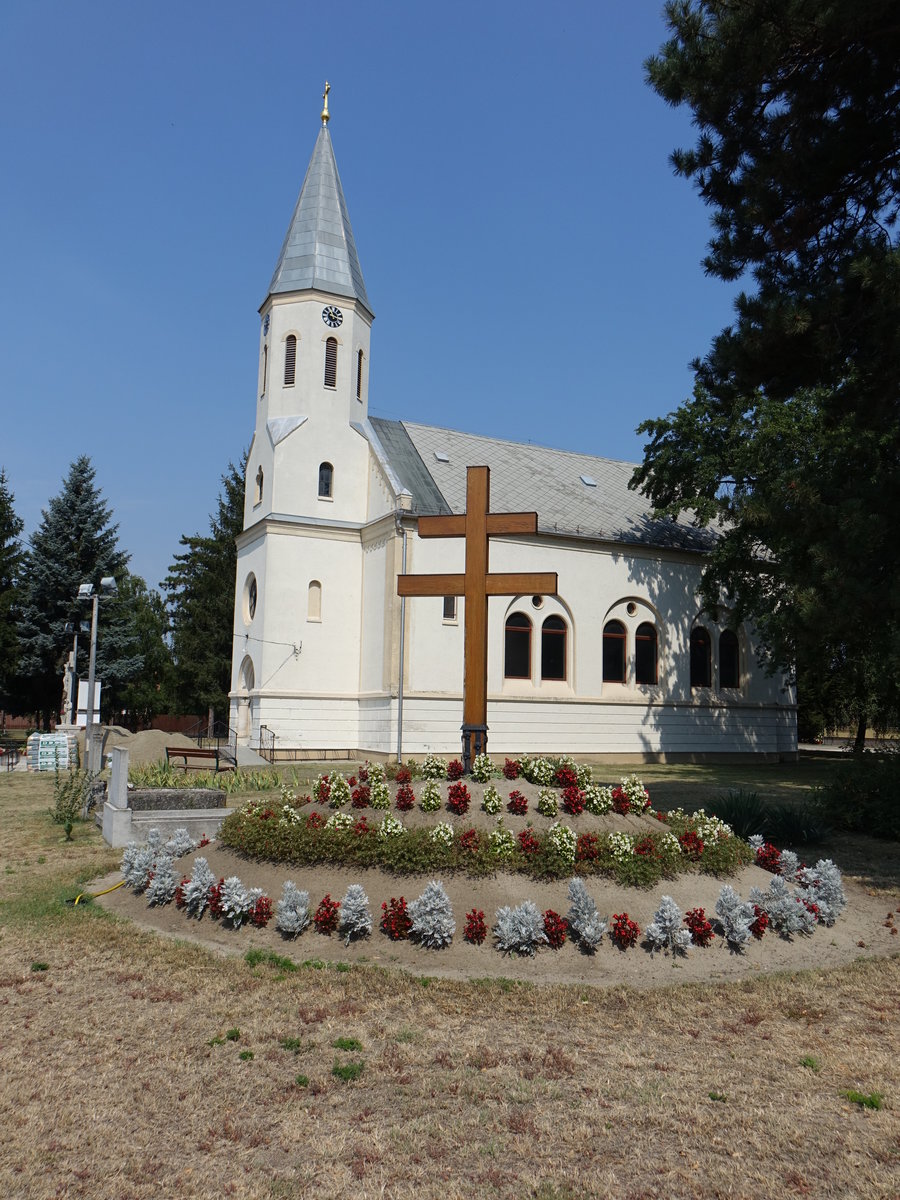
202,757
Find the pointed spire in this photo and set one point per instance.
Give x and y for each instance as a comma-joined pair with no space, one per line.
319,251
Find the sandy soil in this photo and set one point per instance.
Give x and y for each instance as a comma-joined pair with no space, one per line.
861,931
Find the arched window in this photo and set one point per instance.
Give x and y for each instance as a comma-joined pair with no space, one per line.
326,480
251,594
314,601
259,486
613,652
290,359
646,669
729,660
553,648
265,370
517,648
359,369
701,659
331,362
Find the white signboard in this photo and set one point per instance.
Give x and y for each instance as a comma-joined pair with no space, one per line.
81,715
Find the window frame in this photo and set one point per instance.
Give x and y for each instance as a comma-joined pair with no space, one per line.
620,637
700,635
554,626
326,471
652,638
735,651
519,624
290,360
331,357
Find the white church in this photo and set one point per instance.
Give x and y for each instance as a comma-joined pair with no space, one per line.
328,659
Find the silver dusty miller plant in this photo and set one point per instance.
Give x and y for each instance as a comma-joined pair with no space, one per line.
786,911
585,922
235,901
823,886
519,930
162,885
666,931
181,843
195,892
137,863
292,911
355,918
735,917
432,917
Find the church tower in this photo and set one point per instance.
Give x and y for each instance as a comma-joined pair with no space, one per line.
308,466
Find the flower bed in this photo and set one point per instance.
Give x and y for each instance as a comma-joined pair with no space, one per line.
545,845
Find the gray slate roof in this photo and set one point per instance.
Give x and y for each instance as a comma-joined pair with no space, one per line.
319,251
530,478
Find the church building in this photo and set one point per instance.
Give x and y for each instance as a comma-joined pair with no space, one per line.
328,658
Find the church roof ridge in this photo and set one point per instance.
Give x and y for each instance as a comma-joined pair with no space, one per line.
319,251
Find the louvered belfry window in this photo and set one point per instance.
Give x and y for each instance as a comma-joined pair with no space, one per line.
331,362
290,360
359,369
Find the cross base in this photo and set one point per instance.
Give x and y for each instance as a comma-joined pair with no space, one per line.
474,741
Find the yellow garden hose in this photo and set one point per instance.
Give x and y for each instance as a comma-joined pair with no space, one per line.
94,895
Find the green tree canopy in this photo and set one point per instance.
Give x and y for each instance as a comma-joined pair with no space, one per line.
791,440
10,565
200,587
74,544
150,692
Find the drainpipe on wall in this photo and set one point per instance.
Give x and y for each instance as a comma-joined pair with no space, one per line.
404,504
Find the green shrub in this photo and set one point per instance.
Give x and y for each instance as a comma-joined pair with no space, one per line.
348,1072
862,795
743,810
70,794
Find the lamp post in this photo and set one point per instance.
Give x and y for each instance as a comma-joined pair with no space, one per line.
87,591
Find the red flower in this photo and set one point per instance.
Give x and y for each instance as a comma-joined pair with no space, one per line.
179,892
315,821
555,928
528,842
769,858
455,769
261,912
406,797
566,777
691,844
214,898
646,847
511,769
362,827
660,816
403,775
326,917
360,796
476,929
701,930
587,848
518,805
204,841
458,798
573,800
469,841
624,932
761,924
620,802
395,920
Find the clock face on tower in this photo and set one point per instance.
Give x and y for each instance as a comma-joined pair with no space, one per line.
332,316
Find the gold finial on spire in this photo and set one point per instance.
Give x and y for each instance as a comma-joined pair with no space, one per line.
325,112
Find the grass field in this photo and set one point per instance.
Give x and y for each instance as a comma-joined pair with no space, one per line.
133,1066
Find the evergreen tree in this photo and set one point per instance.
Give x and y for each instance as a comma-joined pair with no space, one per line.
134,659
10,564
74,544
791,440
200,587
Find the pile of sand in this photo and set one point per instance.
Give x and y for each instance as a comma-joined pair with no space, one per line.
148,746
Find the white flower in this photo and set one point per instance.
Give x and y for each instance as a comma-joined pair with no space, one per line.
390,827
443,833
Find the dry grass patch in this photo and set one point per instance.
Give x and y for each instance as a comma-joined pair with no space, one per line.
110,1088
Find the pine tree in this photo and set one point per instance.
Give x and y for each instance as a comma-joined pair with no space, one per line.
200,587
149,692
74,544
10,566
791,440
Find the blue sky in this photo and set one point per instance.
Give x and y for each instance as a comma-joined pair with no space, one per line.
533,262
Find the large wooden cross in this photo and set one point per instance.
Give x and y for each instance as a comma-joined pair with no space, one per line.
477,524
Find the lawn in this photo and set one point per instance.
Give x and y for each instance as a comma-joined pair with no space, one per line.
133,1066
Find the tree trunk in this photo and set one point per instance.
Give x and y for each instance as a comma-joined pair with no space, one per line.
859,742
